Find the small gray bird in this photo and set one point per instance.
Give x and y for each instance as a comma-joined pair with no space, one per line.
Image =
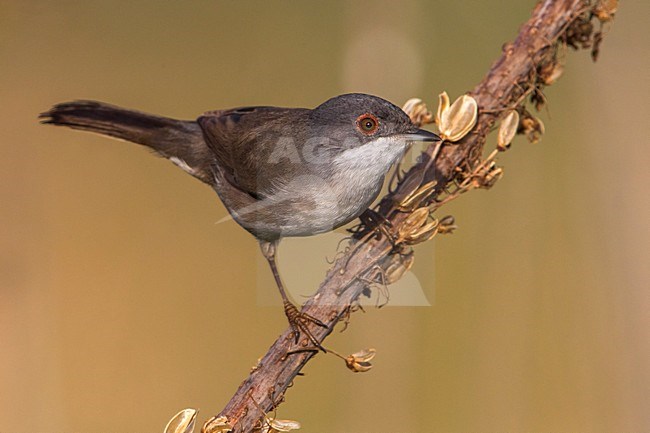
279,171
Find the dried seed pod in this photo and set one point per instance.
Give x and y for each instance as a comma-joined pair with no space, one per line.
417,110
218,424
507,130
422,234
360,362
578,34
447,225
411,105
182,422
443,105
552,73
413,222
531,127
457,120
398,265
605,10
415,197
490,177
280,425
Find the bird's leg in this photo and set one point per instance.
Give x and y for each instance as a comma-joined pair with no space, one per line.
297,319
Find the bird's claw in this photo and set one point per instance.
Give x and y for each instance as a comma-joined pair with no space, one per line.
379,224
299,323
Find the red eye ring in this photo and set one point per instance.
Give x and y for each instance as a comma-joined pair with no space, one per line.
367,124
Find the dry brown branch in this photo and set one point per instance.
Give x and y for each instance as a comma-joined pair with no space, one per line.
525,67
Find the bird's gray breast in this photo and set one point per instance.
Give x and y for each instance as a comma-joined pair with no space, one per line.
341,189
322,195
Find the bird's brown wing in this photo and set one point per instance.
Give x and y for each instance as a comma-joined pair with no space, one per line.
250,142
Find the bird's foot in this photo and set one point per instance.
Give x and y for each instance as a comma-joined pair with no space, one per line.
299,322
378,223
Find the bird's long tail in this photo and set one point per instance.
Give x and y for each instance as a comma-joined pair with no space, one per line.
179,140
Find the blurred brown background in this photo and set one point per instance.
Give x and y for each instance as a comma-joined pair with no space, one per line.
121,301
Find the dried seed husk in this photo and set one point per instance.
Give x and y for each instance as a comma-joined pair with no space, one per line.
418,111
218,424
415,197
283,425
182,422
359,362
398,266
447,225
459,118
605,10
413,222
532,128
423,234
507,130
443,105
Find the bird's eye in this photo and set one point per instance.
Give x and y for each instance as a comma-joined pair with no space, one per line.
367,124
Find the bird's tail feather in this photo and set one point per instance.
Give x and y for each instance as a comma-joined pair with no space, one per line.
179,140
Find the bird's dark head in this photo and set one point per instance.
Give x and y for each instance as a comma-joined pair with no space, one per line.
356,119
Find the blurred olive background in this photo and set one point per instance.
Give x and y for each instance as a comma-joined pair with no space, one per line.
122,302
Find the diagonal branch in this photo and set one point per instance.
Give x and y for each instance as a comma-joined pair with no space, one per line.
524,68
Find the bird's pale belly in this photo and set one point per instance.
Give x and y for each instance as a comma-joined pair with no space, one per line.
305,212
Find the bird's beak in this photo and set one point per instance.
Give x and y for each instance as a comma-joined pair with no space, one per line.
421,135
